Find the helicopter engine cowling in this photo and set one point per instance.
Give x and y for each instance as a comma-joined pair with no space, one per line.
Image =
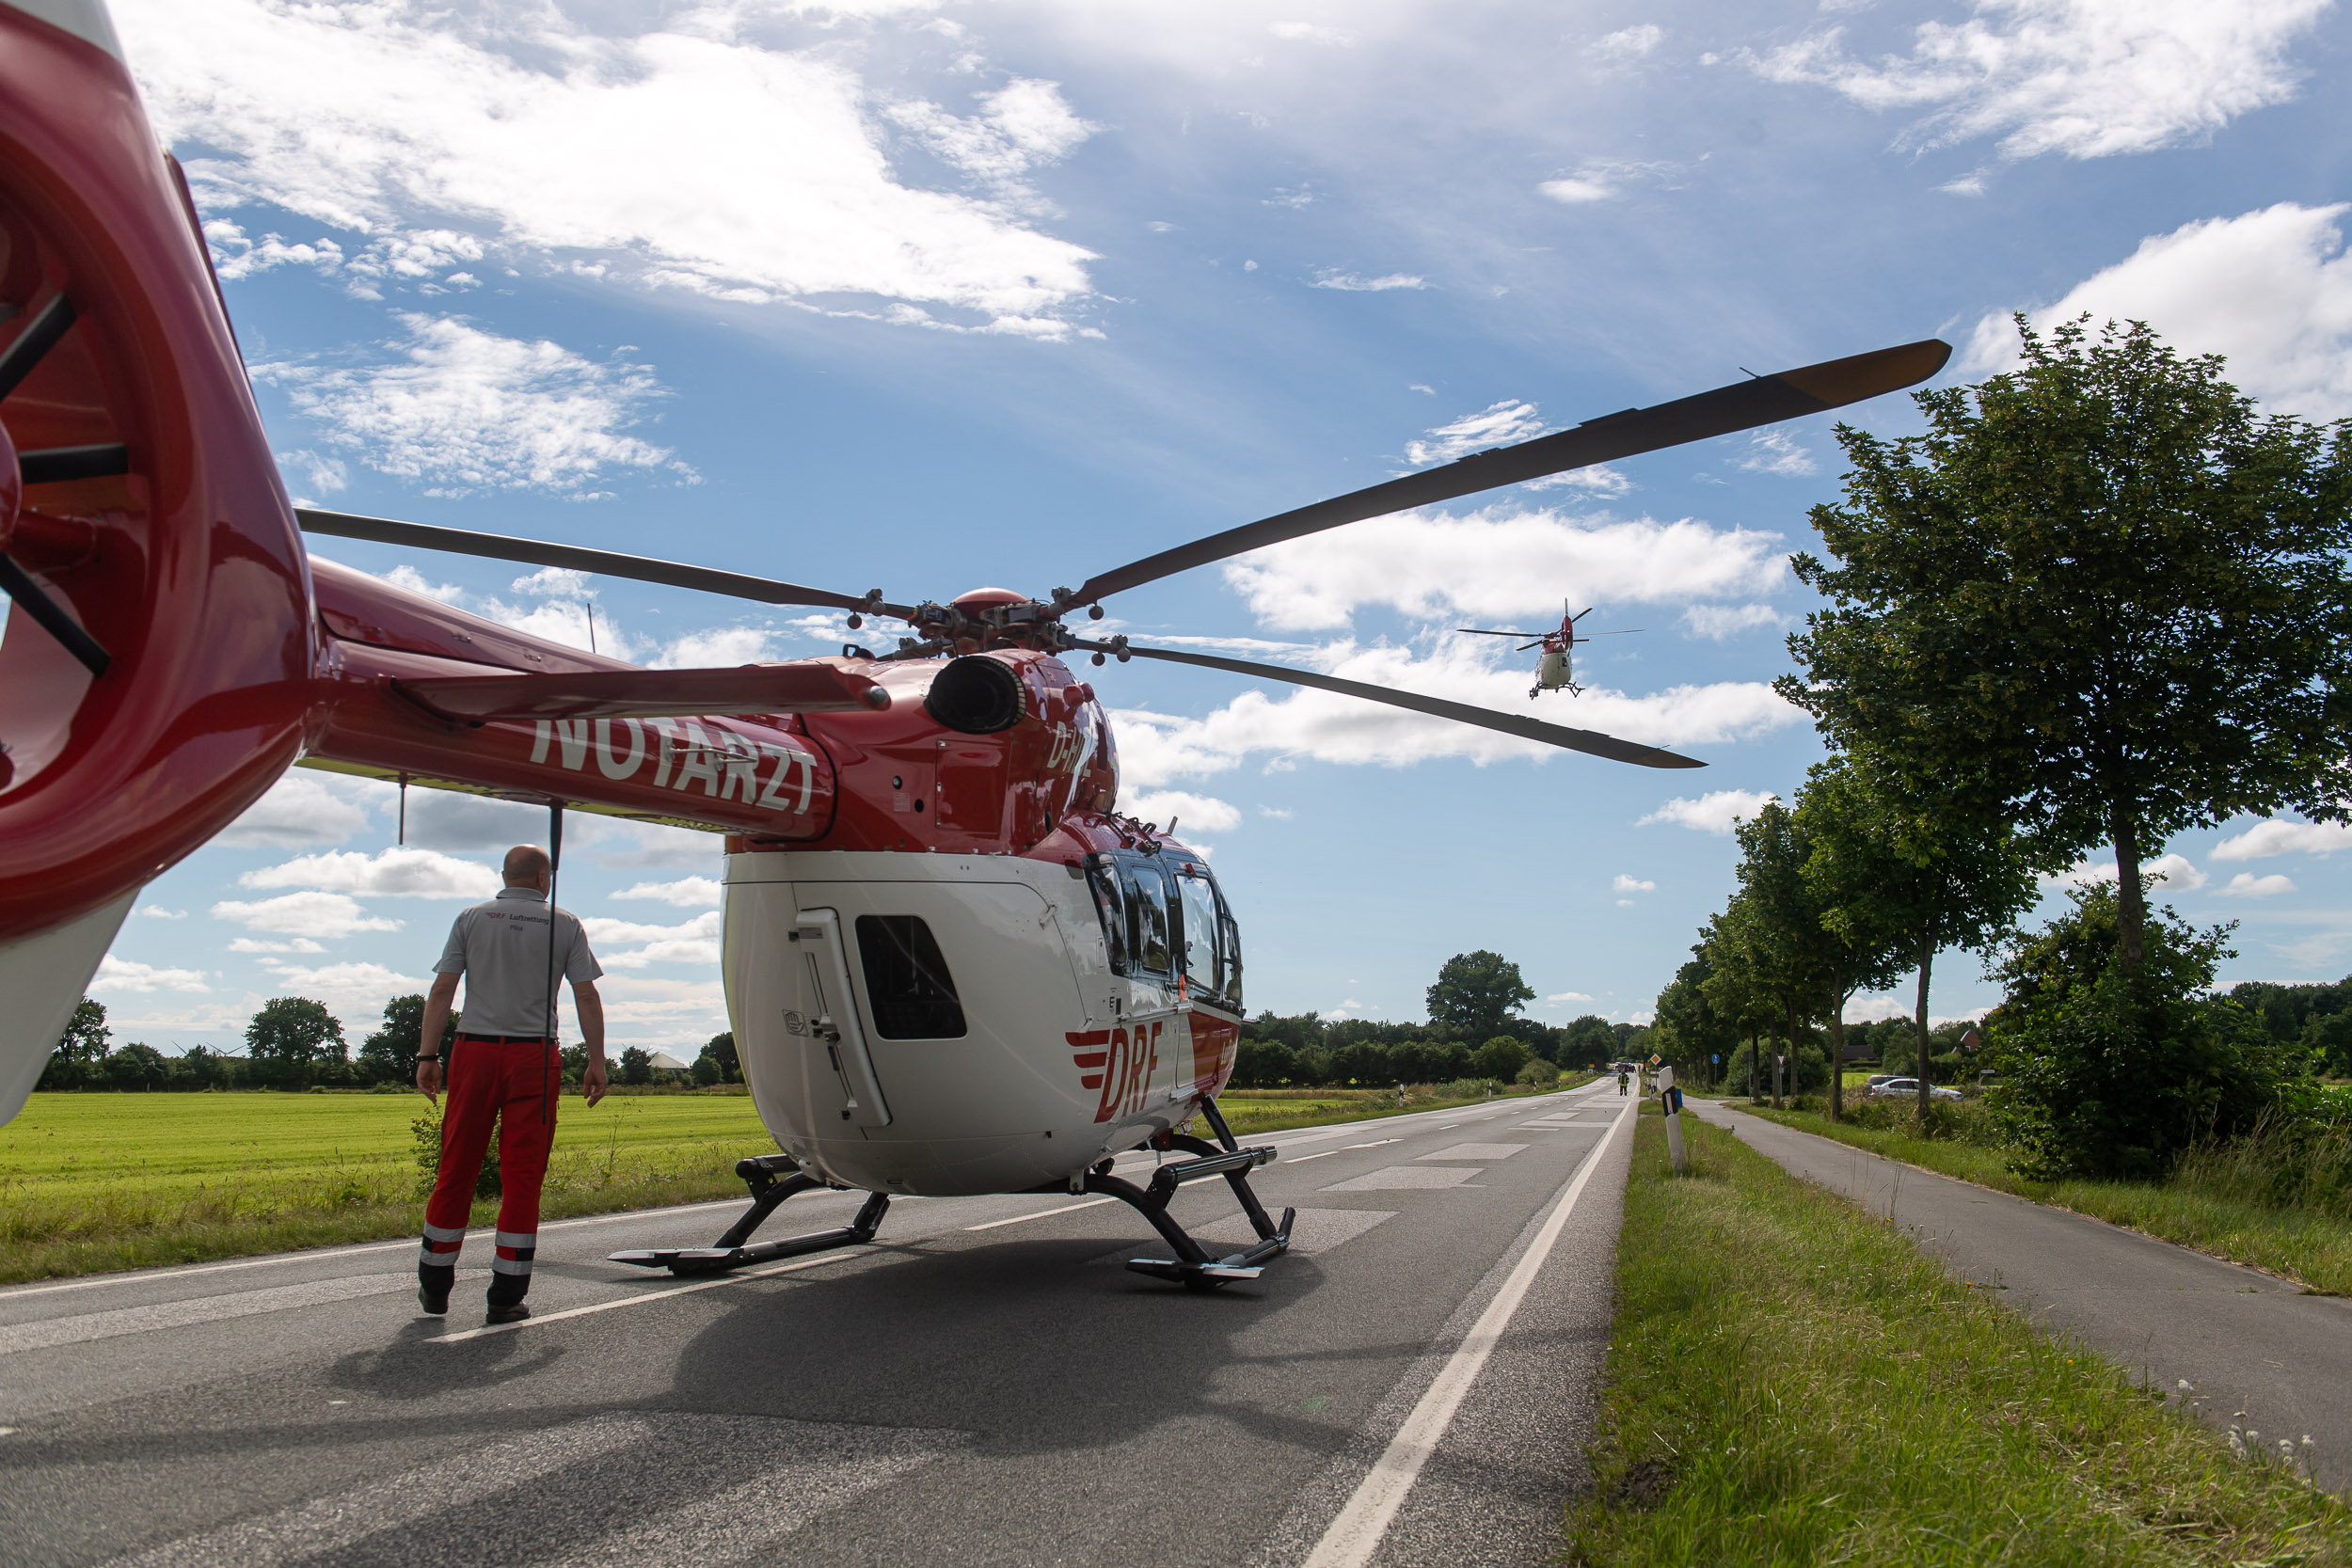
160,642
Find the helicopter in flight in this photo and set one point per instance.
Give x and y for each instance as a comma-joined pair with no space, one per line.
1555,670
952,965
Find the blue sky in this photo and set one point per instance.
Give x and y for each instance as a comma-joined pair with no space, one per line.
923,295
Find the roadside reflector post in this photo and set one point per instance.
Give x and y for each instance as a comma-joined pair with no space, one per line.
1670,1101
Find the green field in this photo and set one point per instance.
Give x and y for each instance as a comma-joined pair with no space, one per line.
91,1182
1793,1381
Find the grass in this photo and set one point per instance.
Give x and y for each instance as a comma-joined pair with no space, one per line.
1791,1382
2219,1201
96,1182
1252,1111
90,1182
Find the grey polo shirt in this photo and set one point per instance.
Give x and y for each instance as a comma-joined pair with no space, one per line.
501,947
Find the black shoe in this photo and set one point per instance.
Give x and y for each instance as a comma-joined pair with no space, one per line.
432,1293
513,1312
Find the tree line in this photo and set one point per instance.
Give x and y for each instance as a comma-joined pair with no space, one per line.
2100,601
294,1042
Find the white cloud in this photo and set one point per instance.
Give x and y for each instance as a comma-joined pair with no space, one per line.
2271,289
682,155
1775,452
355,992
407,576
1309,32
1628,884
1627,44
122,975
2085,78
311,915
1599,480
1279,814
236,257
394,873
1192,814
686,892
461,410
2176,872
255,944
656,847
1500,563
303,808
1157,749
1600,179
2247,885
156,911
1567,996
1712,812
697,942
2277,835
1721,622
1354,283
1498,425
1578,189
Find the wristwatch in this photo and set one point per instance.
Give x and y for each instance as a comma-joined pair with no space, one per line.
422,1060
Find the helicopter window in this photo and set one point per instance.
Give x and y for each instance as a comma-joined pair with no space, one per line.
1228,955
1147,916
906,983
1111,903
1200,935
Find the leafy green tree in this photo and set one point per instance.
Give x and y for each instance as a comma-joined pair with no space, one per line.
1854,859
636,1066
1687,1031
80,1049
1537,1075
136,1068
2100,593
388,1054
2113,1072
1500,1059
1781,919
294,1030
1476,993
707,1071
1732,987
1589,1040
720,1053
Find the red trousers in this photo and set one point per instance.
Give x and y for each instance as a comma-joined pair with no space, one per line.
514,1084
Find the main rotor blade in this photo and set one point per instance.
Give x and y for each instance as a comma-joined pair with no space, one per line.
534,552
1759,401
1591,741
1487,631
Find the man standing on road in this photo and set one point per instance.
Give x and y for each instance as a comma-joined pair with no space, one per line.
504,1067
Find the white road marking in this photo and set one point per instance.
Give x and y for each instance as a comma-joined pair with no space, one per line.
1399,1177
337,1522
45,1333
1304,1158
1478,1151
641,1298
1356,1533
1048,1213
740,1521
1374,1144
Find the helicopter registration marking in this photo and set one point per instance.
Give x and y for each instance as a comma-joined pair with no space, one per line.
726,764
1120,1063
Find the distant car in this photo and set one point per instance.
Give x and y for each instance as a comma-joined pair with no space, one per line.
1908,1089
1871,1084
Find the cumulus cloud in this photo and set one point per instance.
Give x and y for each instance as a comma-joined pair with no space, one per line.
697,942
1600,179
1625,45
301,809
2270,289
304,914
258,945
685,155
2177,872
123,974
1498,425
1309,32
1157,749
2085,78
2278,836
1716,812
2247,885
1776,452
1194,813
1630,884
1500,562
686,892
1354,283
1567,996
356,991
461,410
394,873
1720,623
156,911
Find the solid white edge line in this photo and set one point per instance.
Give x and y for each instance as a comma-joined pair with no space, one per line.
1360,1525
1043,1213
615,1305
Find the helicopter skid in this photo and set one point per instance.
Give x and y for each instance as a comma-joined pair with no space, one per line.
1194,1266
773,1178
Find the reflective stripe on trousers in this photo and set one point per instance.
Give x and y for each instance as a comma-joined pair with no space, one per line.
505,1087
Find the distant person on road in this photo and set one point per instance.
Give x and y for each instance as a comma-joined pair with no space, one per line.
504,1067
1621,1083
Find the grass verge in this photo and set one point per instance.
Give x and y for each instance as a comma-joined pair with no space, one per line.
2311,1247
1253,1110
1791,1382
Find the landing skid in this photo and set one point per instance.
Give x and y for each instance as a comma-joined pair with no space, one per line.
772,1178
1194,1266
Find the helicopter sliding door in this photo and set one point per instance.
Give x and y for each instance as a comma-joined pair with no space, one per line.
1212,988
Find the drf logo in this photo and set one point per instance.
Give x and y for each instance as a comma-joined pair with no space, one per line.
1118,1063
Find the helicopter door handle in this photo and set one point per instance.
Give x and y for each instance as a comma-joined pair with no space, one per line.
838,1026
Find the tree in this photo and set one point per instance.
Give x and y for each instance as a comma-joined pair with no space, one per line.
296,1032
1852,859
1687,1031
1476,993
390,1054
1589,1040
80,1049
1781,925
2102,594
636,1066
1499,1059
1731,985
720,1054
137,1067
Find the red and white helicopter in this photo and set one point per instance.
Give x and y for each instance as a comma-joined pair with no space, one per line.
1556,670
951,966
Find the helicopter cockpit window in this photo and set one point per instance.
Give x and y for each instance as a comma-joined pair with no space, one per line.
1111,903
1199,934
906,983
1228,955
1147,916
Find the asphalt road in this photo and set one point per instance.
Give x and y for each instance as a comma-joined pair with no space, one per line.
2251,1349
1411,1385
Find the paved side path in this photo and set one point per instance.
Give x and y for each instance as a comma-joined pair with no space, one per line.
2244,1341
